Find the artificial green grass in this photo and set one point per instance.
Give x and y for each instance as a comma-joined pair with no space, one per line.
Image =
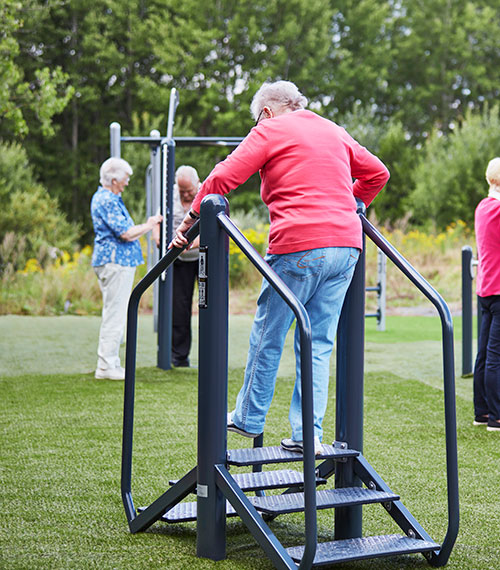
52,345
61,467
61,452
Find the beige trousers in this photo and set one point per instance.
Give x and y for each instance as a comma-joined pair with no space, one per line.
116,283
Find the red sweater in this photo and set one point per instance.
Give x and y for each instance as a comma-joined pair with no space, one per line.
487,226
306,164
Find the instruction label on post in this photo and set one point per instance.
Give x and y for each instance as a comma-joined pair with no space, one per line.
202,262
202,278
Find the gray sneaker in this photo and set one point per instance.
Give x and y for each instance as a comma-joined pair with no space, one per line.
291,445
231,426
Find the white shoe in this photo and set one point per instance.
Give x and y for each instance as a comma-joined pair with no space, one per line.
291,445
110,373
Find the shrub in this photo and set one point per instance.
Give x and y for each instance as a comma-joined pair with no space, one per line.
68,284
31,223
241,271
449,179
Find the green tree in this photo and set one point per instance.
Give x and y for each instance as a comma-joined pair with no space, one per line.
29,216
361,55
443,60
449,179
26,97
389,141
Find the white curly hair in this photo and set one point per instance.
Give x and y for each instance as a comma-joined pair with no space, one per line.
277,95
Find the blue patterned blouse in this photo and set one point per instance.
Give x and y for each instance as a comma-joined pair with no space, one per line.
111,219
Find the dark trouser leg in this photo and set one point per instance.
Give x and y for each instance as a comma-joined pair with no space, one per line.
480,402
492,369
185,274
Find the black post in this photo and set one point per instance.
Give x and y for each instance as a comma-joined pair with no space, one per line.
350,390
467,278
165,283
212,377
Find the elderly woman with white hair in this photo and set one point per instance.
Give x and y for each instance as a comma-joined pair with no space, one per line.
116,254
487,367
307,165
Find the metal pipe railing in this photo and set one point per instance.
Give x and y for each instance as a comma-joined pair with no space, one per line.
130,363
467,278
306,381
186,141
449,384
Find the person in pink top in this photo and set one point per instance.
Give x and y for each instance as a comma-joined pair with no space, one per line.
487,367
307,165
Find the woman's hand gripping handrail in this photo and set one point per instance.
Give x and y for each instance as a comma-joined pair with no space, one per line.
449,384
130,362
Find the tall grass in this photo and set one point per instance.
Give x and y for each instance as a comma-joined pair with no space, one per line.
67,285
437,256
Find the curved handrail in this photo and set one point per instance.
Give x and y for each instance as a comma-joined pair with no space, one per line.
306,381
449,384
130,362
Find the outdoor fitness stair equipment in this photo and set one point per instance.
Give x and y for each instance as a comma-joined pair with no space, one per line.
219,494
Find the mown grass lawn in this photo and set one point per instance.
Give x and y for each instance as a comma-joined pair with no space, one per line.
61,451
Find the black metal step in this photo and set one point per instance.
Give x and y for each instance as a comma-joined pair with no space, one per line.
186,512
290,503
361,548
325,499
263,455
280,479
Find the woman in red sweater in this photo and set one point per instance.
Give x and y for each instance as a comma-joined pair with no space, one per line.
487,367
307,165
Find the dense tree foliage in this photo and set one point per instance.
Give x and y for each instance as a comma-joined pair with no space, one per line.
450,180
26,95
394,72
31,223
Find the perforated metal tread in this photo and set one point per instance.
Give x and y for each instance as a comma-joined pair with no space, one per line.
186,512
279,479
361,548
263,455
325,499
290,503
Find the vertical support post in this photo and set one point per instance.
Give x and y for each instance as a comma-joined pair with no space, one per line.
149,211
155,182
350,390
212,377
165,283
172,108
382,288
115,140
467,277
479,317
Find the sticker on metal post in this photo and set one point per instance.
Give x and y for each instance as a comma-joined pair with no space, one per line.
202,491
202,278
202,290
202,262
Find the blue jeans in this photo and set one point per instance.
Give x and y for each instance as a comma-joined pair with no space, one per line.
320,279
487,367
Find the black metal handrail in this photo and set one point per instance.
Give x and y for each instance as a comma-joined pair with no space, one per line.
449,384
304,325
130,362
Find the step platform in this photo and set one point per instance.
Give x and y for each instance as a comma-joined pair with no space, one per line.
264,480
362,548
266,455
289,503
325,499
